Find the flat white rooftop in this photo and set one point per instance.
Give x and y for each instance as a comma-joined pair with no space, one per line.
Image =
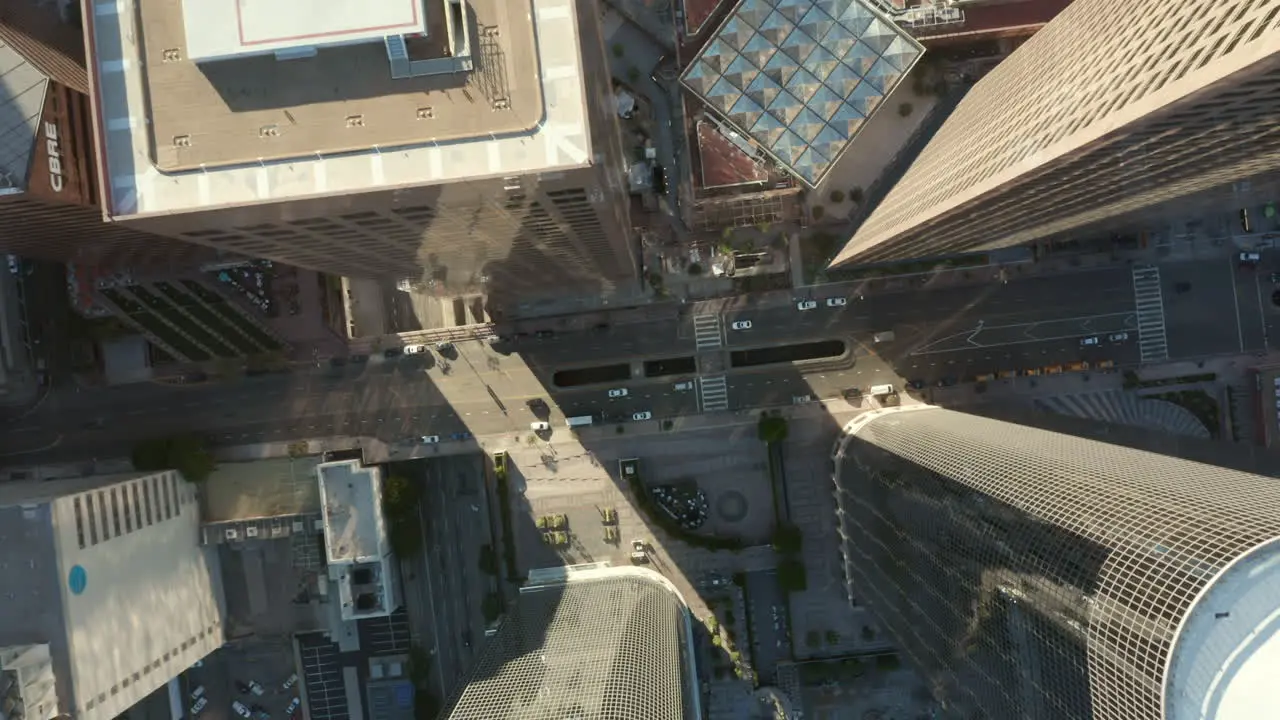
215,157
229,28
351,498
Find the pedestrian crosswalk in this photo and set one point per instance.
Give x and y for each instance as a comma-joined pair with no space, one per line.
1149,303
707,332
713,393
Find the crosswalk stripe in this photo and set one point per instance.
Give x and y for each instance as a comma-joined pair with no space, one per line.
706,332
1153,345
713,393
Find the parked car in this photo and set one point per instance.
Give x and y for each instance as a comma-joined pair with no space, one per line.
685,386
255,688
197,693
1118,337
642,415
1089,341
414,349
290,682
199,705
806,304
293,705
240,709
392,352
429,439
1275,277
741,325
837,302
540,426
618,392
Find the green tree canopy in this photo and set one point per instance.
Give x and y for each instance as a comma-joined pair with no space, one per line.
187,453
787,539
772,429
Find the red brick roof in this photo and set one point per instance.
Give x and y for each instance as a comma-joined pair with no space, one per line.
697,12
724,163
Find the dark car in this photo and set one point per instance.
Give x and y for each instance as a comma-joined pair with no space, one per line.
545,334
1275,277
852,394
1182,287
392,352
947,382
461,436
359,359
659,180
915,384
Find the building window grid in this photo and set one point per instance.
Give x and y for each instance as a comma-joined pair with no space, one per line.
146,498
115,513
102,513
93,519
78,509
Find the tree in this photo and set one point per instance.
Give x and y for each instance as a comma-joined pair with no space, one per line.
633,74
772,429
818,212
186,453
832,637
491,607
905,109
837,196
695,269
792,576
855,195
618,50
787,539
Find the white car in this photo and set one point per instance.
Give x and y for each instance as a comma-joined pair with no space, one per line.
684,386
199,705
837,302
429,439
293,705
1117,337
290,682
802,399
414,349
255,688
642,415
1089,341
539,426
618,392
741,325
806,304
240,709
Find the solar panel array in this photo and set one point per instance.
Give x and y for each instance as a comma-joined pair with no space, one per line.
801,77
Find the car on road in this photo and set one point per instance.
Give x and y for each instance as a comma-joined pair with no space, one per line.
293,705
801,399
392,352
741,325
15,265
837,302
642,415
685,386
240,709
461,436
444,346
540,426
429,439
1249,258
852,394
1275,277
199,705
947,382
1118,337
414,349
618,392
1182,287
915,384
806,304
545,334
1089,341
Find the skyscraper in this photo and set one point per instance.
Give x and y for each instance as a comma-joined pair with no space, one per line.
106,593
1037,574
472,146
1112,109
589,641
48,181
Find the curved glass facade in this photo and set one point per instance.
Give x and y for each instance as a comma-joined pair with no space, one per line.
1035,574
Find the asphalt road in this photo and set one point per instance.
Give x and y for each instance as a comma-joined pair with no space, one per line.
945,332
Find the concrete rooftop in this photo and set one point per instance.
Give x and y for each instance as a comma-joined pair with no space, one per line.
179,137
352,501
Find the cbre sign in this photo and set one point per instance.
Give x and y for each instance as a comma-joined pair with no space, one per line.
53,149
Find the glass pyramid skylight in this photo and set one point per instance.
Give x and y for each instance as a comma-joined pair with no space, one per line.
801,77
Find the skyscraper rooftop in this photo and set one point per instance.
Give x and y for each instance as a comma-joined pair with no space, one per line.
200,108
603,643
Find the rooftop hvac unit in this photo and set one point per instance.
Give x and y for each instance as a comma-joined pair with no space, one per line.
232,534
299,526
251,531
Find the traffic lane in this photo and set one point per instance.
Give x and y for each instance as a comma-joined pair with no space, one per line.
965,365
451,606
1106,328
620,341
1206,307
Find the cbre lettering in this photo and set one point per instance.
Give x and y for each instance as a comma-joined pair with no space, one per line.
54,151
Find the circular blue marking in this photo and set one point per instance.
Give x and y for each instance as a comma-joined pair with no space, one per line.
77,579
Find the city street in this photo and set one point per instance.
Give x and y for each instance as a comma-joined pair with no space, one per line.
955,332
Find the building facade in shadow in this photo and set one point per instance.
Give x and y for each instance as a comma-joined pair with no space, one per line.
1056,572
